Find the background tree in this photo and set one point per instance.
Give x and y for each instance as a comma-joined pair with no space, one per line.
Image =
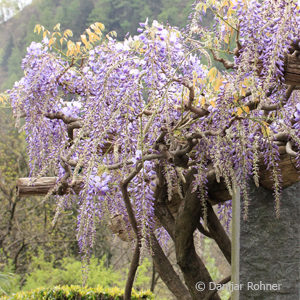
26,224
122,16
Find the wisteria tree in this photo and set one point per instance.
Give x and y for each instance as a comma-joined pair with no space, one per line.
149,131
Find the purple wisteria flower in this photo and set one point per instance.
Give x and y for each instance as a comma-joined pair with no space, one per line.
126,109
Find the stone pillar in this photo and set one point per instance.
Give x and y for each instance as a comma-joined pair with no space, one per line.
270,252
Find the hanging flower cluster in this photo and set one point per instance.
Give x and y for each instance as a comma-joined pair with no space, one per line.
110,114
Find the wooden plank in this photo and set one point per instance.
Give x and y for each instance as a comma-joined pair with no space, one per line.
292,70
40,186
217,192
288,169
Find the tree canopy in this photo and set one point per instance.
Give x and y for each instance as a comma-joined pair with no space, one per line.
139,128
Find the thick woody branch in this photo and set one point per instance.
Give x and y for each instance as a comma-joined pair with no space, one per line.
132,271
72,123
218,233
217,190
167,272
200,112
61,116
254,104
41,186
190,264
71,127
281,137
120,164
63,186
283,101
203,230
220,132
136,255
165,218
270,107
295,46
289,149
162,211
226,63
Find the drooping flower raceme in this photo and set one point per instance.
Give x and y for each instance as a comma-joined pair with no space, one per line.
114,111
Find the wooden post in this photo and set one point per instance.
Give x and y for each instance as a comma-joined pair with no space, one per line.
235,243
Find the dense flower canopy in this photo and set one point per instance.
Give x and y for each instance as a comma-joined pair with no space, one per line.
107,112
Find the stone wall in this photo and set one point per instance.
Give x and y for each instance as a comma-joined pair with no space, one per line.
269,247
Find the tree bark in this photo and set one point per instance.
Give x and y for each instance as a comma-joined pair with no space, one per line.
132,271
292,70
217,192
218,233
40,186
166,271
192,267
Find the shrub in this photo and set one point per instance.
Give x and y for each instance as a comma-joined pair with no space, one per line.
76,292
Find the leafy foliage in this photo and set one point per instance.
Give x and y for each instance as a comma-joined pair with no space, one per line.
76,292
68,271
49,272
10,282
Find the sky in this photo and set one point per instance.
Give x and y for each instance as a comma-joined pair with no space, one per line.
8,8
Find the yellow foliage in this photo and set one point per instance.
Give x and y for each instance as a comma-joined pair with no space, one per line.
243,109
84,40
78,44
68,33
226,38
265,129
243,91
112,33
239,111
38,28
4,99
247,109
51,41
92,34
71,48
57,27
212,74
100,25
218,82
201,6
235,97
